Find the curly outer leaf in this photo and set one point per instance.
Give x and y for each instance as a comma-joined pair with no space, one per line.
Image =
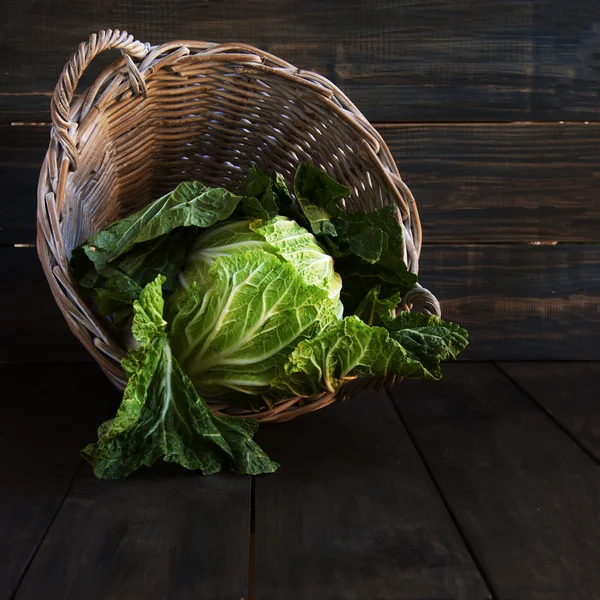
162,415
317,195
350,348
189,204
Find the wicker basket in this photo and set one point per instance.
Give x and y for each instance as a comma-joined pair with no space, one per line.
196,110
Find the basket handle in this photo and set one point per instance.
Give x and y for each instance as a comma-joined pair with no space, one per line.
422,297
69,78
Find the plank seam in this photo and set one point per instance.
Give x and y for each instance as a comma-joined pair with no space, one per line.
385,124
548,414
390,124
251,540
478,565
45,534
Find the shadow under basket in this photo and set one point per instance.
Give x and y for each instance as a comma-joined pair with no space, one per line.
196,110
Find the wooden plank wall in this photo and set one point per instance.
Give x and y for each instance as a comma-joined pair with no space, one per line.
491,110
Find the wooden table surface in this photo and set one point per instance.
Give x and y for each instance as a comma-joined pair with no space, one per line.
483,485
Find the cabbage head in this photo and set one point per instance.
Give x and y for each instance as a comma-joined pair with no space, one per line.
249,293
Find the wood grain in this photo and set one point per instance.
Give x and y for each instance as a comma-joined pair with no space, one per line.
47,414
163,533
524,494
353,514
518,302
502,182
22,150
32,328
398,61
473,183
568,391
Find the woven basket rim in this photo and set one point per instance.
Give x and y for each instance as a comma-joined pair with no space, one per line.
128,76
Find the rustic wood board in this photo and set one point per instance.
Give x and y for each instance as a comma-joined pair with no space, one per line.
398,61
473,183
22,150
47,414
568,392
32,328
162,533
517,182
524,494
518,302
353,514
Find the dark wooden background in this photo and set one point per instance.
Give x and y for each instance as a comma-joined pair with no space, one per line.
491,109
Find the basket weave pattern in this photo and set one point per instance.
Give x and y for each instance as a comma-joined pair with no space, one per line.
197,110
